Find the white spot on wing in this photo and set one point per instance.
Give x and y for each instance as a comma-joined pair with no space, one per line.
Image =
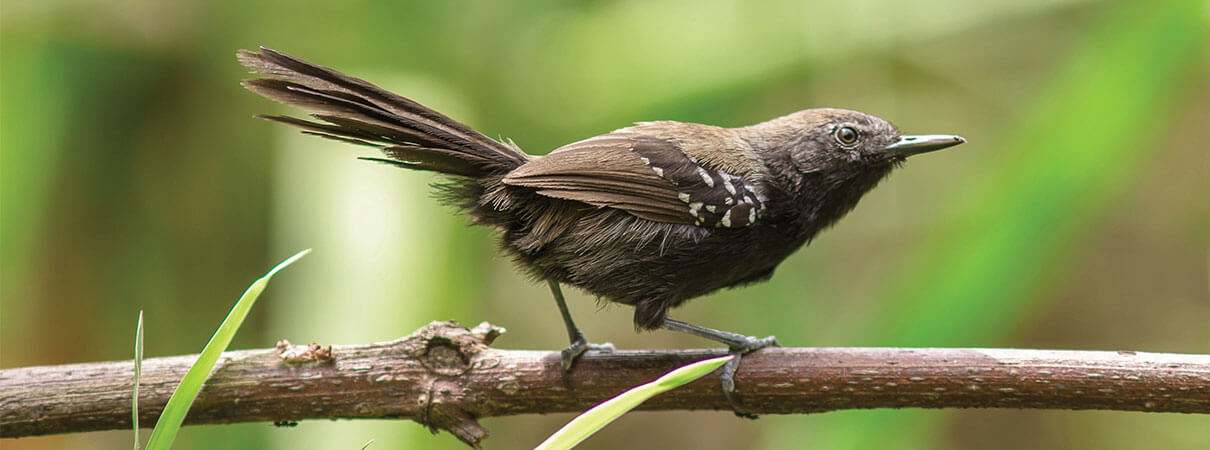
658,171
684,196
727,184
751,216
705,176
726,221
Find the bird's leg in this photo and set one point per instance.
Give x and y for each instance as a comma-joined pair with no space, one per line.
738,344
578,344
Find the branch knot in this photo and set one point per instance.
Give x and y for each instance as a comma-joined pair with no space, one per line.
449,350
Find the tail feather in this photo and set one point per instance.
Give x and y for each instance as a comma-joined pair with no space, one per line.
435,159
325,130
353,110
411,157
354,118
278,65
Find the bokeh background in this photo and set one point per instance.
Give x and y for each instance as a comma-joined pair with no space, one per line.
1078,215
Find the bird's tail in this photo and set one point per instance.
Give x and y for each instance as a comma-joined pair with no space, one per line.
353,110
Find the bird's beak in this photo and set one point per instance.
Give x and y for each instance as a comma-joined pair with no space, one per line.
921,143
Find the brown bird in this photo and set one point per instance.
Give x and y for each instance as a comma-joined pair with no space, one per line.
649,216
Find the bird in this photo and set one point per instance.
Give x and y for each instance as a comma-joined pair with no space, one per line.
649,215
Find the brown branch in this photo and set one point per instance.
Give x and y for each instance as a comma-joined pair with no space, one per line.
446,376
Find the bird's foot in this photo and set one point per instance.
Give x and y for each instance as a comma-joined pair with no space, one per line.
738,349
577,348
738,344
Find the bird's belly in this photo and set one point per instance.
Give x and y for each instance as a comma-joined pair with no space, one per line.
630,268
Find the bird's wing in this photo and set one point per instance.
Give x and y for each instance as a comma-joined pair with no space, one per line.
647,176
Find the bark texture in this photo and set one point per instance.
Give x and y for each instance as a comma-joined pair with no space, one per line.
445,376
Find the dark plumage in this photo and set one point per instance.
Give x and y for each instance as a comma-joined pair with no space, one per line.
650,215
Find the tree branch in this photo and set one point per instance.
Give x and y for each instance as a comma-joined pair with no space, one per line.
445,376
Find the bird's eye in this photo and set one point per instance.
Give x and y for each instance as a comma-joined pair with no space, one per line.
846,136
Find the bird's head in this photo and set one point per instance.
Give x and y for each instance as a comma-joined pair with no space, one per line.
843,140
825,160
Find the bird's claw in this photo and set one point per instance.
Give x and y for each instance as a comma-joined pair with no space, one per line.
577,348
751,344
738,350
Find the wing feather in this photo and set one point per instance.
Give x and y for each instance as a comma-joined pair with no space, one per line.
647,176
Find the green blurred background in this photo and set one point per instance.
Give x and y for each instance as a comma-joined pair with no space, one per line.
1077,216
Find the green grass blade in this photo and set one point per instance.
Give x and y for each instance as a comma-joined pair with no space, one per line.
174,413
138,369
603,414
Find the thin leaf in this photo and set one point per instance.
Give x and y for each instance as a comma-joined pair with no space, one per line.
178,405
138,369
594,419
